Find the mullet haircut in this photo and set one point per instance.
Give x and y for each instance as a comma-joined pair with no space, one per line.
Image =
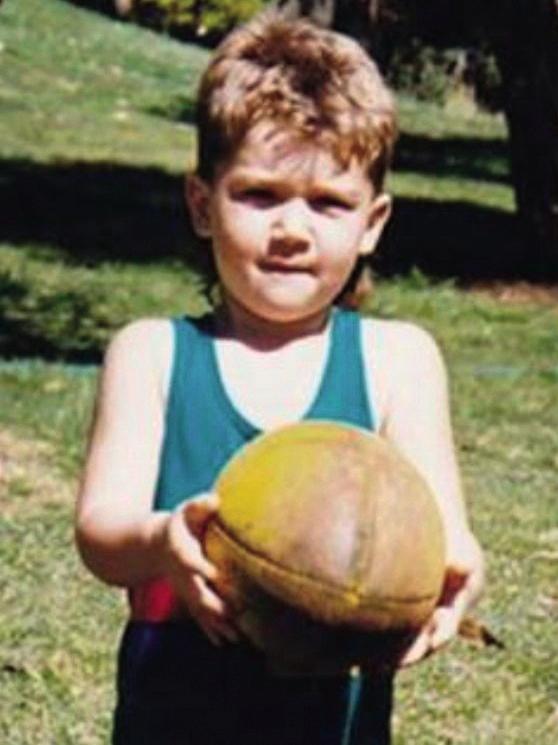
312,83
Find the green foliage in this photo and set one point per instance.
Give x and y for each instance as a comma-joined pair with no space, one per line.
421,71
78,89
97,179
435,73
59,631
71,312
487,80
206,17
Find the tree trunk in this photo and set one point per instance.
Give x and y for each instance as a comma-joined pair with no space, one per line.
525,38
355,18
358,18
525,34
320,11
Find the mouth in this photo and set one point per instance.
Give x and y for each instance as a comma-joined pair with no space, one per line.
284,267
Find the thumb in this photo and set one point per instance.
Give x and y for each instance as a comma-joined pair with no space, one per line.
454,582
199,511
446,623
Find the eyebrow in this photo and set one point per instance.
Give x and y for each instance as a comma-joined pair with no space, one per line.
253,177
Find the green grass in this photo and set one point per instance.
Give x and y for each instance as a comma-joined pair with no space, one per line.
71,311
466,152
59,630
76,87
94,133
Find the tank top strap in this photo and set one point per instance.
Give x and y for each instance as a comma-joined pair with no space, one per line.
199,437
202,429
343,393
187,346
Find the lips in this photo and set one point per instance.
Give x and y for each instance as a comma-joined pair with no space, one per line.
285,267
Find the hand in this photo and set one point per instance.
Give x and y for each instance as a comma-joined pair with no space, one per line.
190,573
462,588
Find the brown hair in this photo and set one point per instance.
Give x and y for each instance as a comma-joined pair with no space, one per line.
315,82
310,82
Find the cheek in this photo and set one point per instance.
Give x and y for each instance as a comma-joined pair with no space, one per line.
343,239
236,231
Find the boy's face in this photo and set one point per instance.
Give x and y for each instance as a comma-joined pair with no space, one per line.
287,224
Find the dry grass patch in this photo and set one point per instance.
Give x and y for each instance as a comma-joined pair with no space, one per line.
29,476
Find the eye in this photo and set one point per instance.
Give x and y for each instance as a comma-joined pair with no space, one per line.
257,196
330,203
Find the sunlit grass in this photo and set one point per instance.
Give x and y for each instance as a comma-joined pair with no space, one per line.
78,88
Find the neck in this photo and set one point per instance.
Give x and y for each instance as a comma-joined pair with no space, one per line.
236,321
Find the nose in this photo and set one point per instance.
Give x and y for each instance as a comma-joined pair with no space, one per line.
291,231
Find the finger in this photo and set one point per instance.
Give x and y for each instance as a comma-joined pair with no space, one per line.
206,598
208,610
208,622
212,635
223,630
418,650
188,550
454,581
447,616
446,624
199,511
216,631
203,600
214,609
230,632
466,566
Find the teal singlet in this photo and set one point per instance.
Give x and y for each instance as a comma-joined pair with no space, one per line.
203,429
174,686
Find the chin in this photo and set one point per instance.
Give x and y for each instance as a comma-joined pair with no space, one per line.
290,313
284,305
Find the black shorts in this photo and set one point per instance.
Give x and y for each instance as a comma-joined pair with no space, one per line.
176,688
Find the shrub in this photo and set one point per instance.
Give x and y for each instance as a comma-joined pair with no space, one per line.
59,311
432,74
210,17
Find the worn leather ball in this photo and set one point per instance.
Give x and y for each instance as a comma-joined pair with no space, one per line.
330,548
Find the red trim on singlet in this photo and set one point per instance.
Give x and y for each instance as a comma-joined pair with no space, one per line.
155,601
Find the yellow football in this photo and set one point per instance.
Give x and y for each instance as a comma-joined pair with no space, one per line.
330,547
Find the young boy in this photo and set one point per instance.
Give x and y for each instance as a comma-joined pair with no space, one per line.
296,130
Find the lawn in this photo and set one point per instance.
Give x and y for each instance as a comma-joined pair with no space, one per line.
94,134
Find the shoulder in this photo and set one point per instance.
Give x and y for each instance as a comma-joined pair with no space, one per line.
141,351
153,332
400,359
400,343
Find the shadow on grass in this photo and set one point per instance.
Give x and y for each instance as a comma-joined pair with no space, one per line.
455,240
93,213
149,15
181,109
99,212
482,159
18,342
85,214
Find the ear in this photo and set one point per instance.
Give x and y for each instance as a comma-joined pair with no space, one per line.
380,212
198,195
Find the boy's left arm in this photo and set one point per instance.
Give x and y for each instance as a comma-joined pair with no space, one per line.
416,419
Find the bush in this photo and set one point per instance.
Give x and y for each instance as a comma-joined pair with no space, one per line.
421,71
487,80
210,17
433,74
62,312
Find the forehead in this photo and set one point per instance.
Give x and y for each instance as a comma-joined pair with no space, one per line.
282,154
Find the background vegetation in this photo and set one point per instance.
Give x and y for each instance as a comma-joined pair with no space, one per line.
95,130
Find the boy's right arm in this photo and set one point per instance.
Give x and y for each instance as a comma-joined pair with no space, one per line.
122,540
